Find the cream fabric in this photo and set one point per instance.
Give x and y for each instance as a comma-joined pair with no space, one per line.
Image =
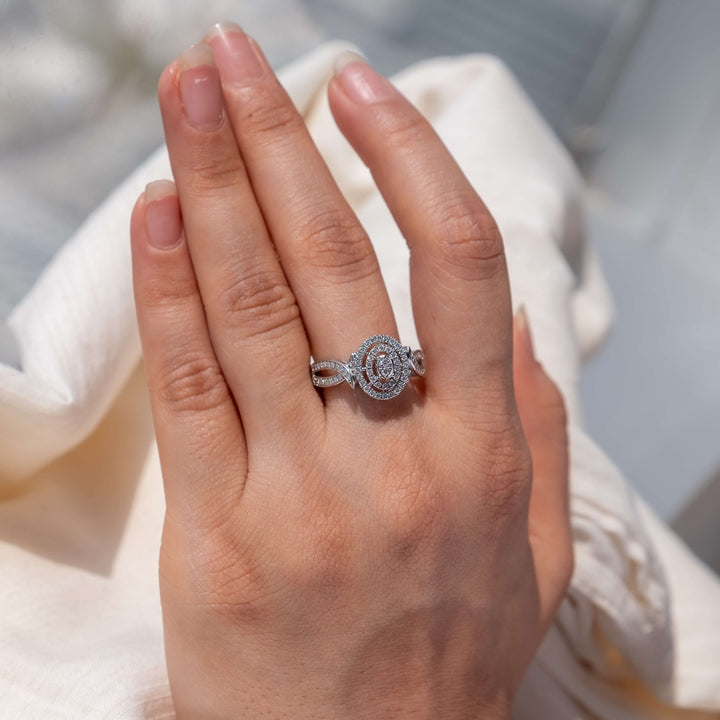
80,489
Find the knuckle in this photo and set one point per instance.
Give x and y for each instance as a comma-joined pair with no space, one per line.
496,416
258,303
469,242
507,472
214,168
228,577
334,242
402,129
170,291
320,562
412,518
265,112
193,383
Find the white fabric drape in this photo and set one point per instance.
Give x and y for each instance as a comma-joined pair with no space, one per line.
81,501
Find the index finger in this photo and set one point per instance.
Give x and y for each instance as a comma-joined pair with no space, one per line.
459,281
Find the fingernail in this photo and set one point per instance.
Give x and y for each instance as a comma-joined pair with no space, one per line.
234,53
523,327
360,82
200,88
162,215
345,58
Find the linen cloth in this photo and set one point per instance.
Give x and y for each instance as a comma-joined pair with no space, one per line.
81,504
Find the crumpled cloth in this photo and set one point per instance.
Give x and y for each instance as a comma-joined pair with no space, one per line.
81,505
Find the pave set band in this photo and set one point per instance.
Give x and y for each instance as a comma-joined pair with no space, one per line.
381,367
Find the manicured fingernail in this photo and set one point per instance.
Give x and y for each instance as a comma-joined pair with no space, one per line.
234,53
360,82
162,215
345,58
200,88
523,326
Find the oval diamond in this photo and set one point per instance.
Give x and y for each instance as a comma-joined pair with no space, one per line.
384,367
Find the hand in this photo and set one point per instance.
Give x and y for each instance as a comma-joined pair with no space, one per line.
328,555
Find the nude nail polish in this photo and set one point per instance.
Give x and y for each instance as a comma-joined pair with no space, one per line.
345,58
200,89
523,326
360,82
236,56
162,215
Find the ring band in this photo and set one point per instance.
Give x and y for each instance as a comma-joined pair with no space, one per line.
381,366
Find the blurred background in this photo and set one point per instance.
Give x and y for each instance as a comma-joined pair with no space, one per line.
630,86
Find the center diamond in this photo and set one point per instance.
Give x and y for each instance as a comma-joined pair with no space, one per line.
384,367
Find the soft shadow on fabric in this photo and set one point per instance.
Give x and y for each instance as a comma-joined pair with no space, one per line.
74,511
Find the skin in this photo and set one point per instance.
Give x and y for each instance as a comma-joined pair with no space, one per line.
327,555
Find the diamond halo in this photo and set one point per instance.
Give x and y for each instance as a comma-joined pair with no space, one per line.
381,366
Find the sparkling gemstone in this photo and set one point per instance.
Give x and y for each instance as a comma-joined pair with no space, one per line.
385,367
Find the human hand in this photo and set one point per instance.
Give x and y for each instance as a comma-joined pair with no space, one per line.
327,555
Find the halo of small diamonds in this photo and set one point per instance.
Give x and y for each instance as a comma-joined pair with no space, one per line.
381,367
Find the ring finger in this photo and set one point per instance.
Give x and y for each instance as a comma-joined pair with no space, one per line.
459,280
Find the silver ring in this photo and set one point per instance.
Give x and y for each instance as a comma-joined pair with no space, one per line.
381,366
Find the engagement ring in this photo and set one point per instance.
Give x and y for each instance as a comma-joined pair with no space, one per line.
381,366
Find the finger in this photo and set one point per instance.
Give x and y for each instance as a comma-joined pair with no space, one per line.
253,319
459,283
542,412
199,435
328,258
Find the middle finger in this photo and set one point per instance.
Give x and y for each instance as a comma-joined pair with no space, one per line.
327,256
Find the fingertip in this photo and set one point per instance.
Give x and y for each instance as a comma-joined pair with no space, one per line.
159,189
523,327
162,269
344,59
139,206
137,220
167,86
540,401
526,368
163,221
336,97
168,76
360,82
524,347
343,108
